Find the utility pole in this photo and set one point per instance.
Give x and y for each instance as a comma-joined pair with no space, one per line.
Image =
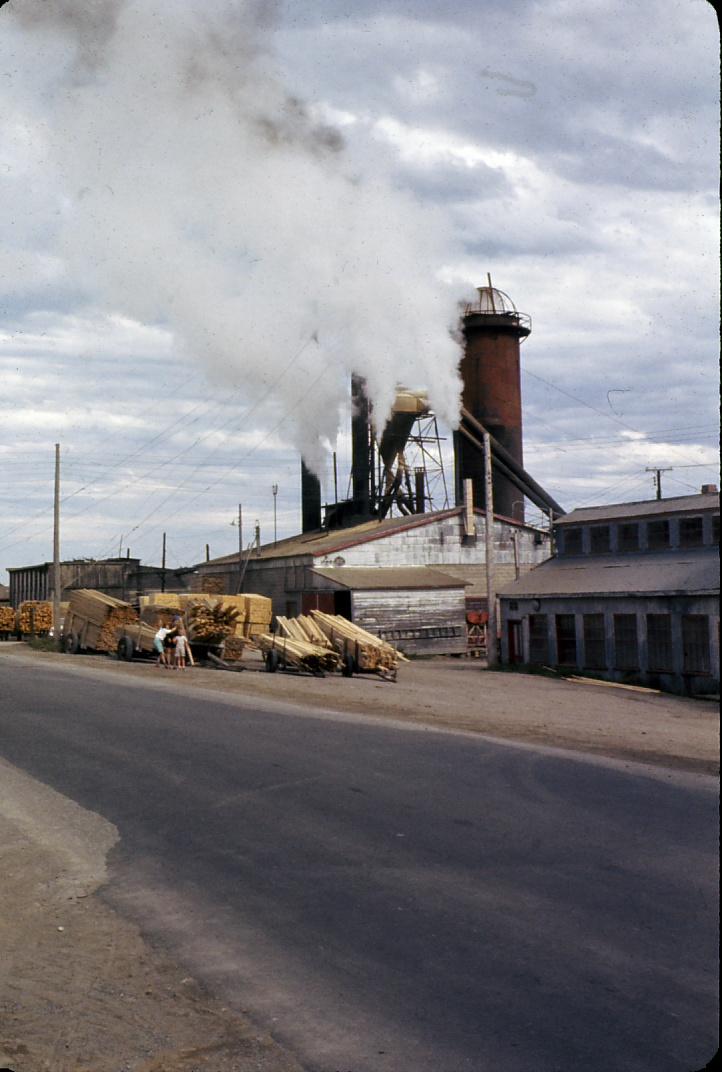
491,659
335,480
162,568
274,489
240,547
56,550
658,478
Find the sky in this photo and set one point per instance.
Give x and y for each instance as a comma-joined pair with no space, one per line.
211,215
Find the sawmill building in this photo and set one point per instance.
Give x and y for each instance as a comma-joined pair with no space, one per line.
412,580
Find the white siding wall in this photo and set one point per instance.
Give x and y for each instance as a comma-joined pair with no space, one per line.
440,543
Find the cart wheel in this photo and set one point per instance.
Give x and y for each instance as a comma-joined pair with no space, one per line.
71,644
349,665
125,648
272,661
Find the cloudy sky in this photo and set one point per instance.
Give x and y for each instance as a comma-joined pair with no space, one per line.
211,214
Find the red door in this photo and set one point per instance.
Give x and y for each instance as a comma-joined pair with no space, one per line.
516,653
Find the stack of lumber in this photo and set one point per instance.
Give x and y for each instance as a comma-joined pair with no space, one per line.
172,601
210,585
258,614
35,616
370,652
7,620
253,617
210,623
233,648
95,616
304,629
300,653
116,620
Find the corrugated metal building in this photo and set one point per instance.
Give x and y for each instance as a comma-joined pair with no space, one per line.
632,594
410,579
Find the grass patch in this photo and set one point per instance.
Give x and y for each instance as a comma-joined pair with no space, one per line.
42,643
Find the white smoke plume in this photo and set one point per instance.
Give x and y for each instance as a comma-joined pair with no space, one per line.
195,191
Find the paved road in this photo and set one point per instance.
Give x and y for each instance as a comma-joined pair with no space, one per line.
389,899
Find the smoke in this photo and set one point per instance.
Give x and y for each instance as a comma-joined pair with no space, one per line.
196,191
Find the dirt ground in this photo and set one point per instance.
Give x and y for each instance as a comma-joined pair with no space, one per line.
81,990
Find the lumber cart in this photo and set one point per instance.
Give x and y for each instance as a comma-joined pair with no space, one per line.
91,621
284,653
134,638
359,650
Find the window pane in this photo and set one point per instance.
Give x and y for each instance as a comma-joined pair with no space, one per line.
626,654
538,639
595,655
566,640
628,537
695,643
691,532
600,539
659,642
657,534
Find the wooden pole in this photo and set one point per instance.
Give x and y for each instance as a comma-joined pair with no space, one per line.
162,575
240,549
56,549
491,659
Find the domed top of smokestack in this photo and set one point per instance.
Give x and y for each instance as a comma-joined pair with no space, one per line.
495,303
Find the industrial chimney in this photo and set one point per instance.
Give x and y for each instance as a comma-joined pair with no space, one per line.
310,500
490,371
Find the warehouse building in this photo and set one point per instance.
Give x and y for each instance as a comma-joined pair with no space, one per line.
124,578
632,595
412,579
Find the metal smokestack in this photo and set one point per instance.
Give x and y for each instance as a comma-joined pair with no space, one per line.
490,371
310,500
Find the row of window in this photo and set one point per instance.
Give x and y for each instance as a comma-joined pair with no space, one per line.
660,653
629,535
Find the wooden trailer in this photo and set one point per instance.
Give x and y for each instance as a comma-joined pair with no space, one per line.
91,621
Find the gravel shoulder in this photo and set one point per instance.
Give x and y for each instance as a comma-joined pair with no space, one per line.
81,991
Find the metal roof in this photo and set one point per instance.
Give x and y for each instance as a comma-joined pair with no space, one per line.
680,504
325,543
663,573
386,578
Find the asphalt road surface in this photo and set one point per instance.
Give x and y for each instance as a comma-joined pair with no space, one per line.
388,898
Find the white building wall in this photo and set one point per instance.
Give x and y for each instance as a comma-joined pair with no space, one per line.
441,543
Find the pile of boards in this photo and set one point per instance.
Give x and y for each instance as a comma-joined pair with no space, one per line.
94,619
35,616
252,615
7,620
299,654
356,648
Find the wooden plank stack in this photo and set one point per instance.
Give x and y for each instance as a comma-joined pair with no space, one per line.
117,619
253,617
368,651
35,616
300,654
210,623
94,618
304,629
